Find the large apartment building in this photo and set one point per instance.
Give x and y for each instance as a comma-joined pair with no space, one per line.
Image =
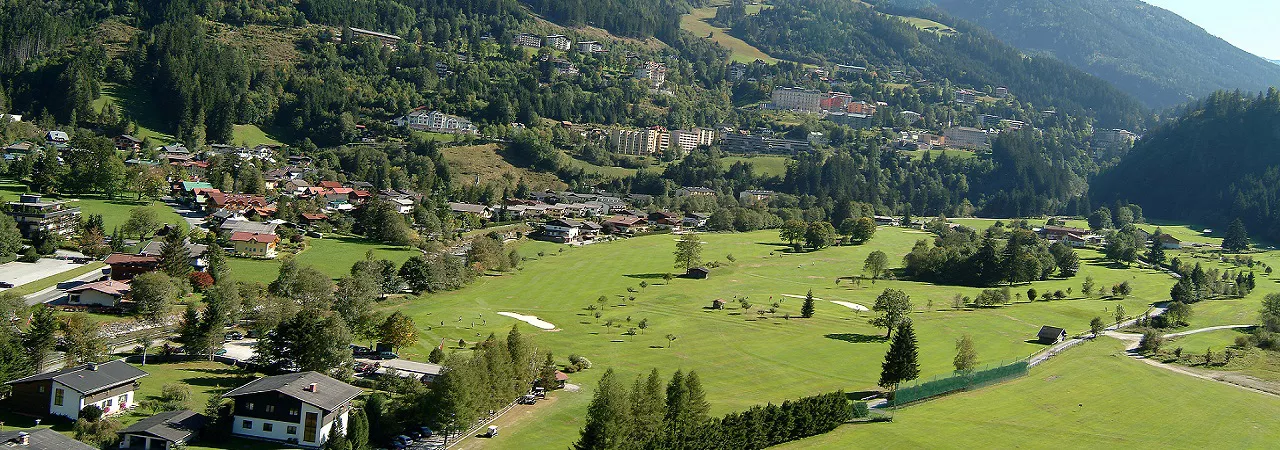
437,122
653,72
687,140
794,98
350,34
967,137
32,214
640,142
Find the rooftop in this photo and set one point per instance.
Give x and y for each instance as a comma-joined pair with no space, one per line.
89,378
329,394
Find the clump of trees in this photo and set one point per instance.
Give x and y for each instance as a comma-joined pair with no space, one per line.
647,416
961,257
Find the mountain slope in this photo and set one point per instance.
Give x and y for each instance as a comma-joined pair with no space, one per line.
1218,161
1150,52
844,32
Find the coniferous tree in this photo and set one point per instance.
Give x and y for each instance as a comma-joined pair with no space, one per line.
647,409
608,417
1236,239
901,362
1155,252
41,336
806,309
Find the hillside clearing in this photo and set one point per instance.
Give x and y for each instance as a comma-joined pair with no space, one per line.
483,164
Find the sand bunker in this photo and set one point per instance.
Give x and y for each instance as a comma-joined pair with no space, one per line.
531,320
798,296
853,306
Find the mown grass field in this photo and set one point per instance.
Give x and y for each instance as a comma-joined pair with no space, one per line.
252,135
333,256
696,22
1092,397
743,358
769,165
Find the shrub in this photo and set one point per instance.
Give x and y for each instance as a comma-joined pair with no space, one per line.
98,433
579,362
860,410
1151,341
201,280
91,413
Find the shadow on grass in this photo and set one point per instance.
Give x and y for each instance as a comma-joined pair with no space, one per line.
1036,341
856,338
646,276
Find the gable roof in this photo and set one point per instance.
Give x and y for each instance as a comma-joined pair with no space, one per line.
244,236
84,380
41,439
109,287
153,248
125,258
1048,332
174,426
330,394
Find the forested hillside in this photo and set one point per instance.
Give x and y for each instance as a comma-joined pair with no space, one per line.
845,32
1147,51
1218,161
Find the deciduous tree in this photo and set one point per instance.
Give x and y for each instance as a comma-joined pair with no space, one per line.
893,306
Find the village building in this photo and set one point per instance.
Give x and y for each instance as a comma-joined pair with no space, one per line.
527,40
110,386
106,293
164,431
255,245
797,99
298,408
436,122
967,138
1051,335
40,439
351,34
754,196
124,266
559,42
54,217
653,72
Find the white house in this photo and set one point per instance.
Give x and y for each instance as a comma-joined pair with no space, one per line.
297,408
110,386
100,293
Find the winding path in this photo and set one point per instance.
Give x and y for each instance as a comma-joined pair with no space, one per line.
1131,348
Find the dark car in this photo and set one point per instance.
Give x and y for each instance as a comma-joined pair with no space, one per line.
5,284
234,336
426,432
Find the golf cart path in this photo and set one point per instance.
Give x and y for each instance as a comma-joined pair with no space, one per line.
1133,340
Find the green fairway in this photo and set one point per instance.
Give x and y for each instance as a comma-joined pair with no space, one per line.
1095,397
768,165
733,349
333,256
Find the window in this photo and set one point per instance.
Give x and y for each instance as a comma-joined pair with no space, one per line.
122,400
248,406
293,412
248,424
57,397
106,403
291,429
271,408
266,426
42,389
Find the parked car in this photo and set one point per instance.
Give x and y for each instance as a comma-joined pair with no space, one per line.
220,352
234,336
492,433
315,234
5,284
387,355
528,399
426,432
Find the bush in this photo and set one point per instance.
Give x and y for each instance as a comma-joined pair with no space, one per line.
579,362
861,410
201,280
91,413
99,433
1151,341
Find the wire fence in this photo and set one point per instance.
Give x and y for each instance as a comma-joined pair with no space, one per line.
959,382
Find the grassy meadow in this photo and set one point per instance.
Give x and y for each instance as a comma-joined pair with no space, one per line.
744,358
114,212
332,256
696,22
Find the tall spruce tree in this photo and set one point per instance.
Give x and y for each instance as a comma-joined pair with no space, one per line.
41,336
175,260
1155,252
608,417
806,310
901,363
1237,239
647,409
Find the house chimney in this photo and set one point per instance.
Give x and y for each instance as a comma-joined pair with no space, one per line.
311,387
23,439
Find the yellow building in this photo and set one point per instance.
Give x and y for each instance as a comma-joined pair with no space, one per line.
255,245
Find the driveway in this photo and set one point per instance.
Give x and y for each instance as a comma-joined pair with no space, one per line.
241,350
20,273
193,217
57,292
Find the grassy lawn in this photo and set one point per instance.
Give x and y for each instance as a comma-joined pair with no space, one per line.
928,25
732,349
950,152
137,103
1094,397
333,256
438,137
768,165
252,135
696,22
485,164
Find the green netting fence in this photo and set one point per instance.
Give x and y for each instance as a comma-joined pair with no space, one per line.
958,382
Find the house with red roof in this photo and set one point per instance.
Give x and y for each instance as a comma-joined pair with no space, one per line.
256,245
107,293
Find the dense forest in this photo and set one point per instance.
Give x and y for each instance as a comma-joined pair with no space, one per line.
844,32
1149,52
1216,162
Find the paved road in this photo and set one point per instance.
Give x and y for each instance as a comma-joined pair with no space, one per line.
58,291
194,218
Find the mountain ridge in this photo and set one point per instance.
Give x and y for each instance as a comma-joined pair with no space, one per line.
1152,53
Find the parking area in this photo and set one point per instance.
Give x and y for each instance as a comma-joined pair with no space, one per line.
241,350
20,273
